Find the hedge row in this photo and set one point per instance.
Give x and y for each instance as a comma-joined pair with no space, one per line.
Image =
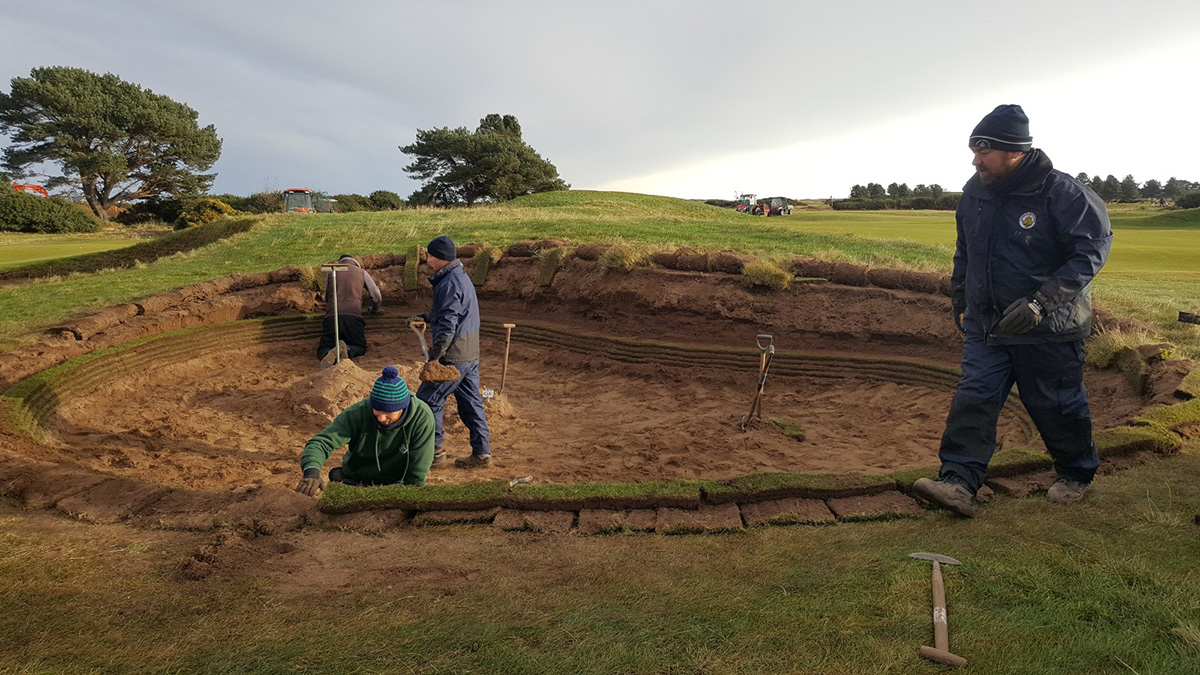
22,212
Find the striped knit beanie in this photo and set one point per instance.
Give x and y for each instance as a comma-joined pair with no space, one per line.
390,392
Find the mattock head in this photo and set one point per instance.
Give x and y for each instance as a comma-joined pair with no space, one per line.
943,559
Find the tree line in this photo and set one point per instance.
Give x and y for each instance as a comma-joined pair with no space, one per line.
1110,189
1129,190
117,145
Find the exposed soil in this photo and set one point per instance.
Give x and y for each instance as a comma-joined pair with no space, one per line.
238,419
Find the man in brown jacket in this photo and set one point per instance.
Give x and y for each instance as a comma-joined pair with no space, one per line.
351,330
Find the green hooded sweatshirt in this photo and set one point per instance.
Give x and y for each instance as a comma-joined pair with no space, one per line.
377,457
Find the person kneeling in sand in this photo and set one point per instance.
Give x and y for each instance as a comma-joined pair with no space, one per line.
390,437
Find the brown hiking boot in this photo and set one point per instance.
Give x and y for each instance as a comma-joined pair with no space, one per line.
947,494
474,462
1066,491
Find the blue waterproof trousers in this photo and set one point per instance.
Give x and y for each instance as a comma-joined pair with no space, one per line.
470,406
1049,379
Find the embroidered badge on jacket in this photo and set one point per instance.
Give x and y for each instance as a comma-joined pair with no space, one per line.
1028,220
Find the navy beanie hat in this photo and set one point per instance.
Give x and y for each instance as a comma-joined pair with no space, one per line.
1005,128
390,392
442,248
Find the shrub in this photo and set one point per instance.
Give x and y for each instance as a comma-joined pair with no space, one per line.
859,205
621,258
203,211
386,200
21,212
1189,201
765,274
264,202
351,202
166,210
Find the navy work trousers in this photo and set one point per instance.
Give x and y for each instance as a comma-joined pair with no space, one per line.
351,330
470,406
1049,379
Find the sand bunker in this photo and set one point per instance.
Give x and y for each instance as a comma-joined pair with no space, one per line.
621,378
239,419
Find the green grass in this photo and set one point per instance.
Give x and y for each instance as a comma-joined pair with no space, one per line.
17,250
1154,270
1105,587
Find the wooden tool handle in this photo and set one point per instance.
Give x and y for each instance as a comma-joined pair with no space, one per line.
941,638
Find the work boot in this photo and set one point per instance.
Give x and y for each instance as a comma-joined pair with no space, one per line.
947,494
330,358
474,462
439,456
1065,491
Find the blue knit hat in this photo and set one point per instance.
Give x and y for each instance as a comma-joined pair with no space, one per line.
390,392
442,248
1005,128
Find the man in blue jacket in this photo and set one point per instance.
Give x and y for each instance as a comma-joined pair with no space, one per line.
455,322
1030,241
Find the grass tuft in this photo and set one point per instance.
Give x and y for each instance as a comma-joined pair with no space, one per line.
765,274
1102,348
621,258
790,428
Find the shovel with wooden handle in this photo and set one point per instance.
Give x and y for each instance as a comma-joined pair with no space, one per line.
766,353
940,651
418,327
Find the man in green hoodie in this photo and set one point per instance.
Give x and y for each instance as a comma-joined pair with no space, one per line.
390,437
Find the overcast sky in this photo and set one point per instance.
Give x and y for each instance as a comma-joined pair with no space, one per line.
691,99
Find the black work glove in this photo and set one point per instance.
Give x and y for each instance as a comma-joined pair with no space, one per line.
438,349
1021,316
374,308
959,311
312,483
417,317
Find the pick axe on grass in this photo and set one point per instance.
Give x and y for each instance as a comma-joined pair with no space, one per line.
766,353
940,651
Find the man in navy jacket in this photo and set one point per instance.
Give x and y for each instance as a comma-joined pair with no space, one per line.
1030,241
454,319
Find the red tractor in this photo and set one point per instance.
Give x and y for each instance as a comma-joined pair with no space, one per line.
746,204
30,187
298,199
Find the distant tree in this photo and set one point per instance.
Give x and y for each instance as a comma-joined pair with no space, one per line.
876,191
936,191
1082,177
113,139
1130,192
1097,185
1152,189
491,163
385,200
903,191
1112,188
859,192
922,190
1174,188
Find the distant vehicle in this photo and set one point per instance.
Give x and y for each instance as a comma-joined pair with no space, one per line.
325,205
746,204
30,187
779,207
298,200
